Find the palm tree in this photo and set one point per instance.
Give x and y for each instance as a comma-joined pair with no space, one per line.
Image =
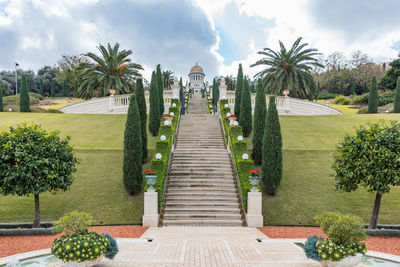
289,69
167,78
113,69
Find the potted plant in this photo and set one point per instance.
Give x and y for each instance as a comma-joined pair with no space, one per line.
254,177
232,118
343,247
79,247
151,179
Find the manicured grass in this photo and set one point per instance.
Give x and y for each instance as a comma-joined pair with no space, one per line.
307,189
89,131
98,189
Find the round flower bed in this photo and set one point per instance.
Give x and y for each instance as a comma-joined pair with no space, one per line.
80,247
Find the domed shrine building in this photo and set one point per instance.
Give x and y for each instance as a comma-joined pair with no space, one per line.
196,78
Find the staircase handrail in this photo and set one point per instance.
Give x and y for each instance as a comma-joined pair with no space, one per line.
230,148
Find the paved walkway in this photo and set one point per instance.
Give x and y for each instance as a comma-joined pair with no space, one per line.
207,246
197,104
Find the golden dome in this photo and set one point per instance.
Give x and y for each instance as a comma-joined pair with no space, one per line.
196,68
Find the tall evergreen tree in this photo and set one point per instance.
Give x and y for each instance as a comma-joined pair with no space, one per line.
260,112
154,116
397,97
238,92
53,88
64,88
1,97
132,165
365,87
141,100
245,109
160,86
373,97
24,101
272,150
341,88
41,92
215,94
353,88
329,88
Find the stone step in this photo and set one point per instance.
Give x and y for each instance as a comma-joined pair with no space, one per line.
202,209
207,186
208,173
203,216
201,194
203,222
202,198
201,180
201,167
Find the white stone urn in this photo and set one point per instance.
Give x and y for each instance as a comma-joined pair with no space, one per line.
350,261
169,119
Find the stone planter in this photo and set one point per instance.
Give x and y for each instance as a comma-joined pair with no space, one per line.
254,181
151,180
83,264
350,261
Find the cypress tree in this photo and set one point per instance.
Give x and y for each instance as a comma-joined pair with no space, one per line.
215,94
272,150
245,109
373,97
160,86
353,88
53,88
1,96
397,97
132,165
365,87
154,117
141,100
41,86
258,123
64,89
24,102
238,92
341,88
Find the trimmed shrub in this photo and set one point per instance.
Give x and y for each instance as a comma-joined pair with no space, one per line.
397,97
353,88
272,150
160,86
24,103
341,87
141,100
132,163
245,120
373,97
260,111
73,222
341,100
238,92
154,117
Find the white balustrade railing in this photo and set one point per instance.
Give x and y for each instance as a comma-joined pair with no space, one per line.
120,102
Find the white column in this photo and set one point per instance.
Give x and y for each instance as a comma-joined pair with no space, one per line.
254,216
222,89
111,103
150,216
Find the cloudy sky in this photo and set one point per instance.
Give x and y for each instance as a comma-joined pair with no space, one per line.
218,34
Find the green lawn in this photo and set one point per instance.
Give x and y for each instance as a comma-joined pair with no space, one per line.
98,188
307,187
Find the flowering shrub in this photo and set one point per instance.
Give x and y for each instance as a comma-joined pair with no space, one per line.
73,222
80,247
150,172
344,236
254,172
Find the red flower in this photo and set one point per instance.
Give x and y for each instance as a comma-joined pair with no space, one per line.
168,115
148,171
154,171
254,172
232,115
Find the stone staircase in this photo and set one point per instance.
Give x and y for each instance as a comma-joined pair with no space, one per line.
201,188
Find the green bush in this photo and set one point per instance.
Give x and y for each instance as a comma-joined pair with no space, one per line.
341,100
341,229
74,222
112,249
326,96
160,86
24,104
260,111
141,100
245,119
356,100
397,97
244,166
238,91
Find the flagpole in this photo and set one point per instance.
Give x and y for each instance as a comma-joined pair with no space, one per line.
16,78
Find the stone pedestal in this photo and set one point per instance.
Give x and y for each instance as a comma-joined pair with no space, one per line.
222,89
111,103
175,88
254,216
150,216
